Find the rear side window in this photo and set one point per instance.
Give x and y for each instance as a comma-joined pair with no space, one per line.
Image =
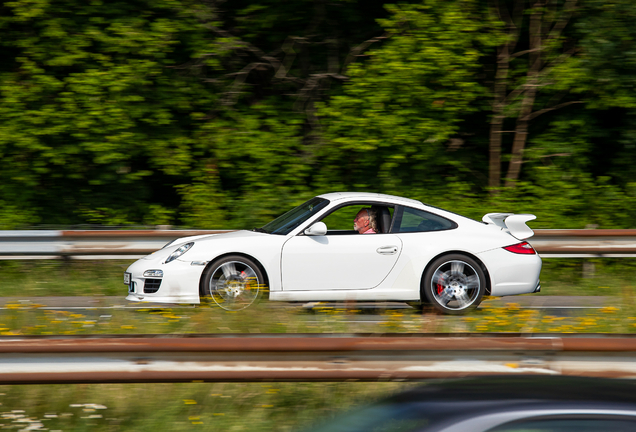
414,220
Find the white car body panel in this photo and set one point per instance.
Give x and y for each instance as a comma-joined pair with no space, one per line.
505,272
388,266
182,286
354,262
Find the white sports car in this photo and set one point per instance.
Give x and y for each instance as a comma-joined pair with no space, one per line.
420,254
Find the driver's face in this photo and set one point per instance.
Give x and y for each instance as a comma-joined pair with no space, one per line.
361,221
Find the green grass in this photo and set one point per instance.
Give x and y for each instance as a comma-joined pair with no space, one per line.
31,278
589,276
251,406
269,317
38,279
183,407
34,278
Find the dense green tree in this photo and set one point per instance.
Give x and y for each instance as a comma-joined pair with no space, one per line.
518,87
222,114
398,124
95,116
260,144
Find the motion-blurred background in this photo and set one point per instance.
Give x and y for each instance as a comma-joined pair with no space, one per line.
220,114
223,114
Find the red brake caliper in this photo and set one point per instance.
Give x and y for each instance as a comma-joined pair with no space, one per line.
244,277
440,287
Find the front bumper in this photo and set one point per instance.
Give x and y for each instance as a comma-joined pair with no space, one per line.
179,284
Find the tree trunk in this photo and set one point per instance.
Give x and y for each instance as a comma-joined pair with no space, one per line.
496,124
513,22
494,163
529,95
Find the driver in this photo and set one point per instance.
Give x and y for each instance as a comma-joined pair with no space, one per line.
365,222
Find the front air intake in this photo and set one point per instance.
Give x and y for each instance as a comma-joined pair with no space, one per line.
152,286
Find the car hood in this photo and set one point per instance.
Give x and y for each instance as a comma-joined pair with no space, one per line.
205,242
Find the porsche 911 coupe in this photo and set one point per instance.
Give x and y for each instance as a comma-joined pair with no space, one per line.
409,252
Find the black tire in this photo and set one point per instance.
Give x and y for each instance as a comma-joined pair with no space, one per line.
233,282
454,284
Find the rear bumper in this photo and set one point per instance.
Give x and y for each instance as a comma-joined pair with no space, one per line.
511,273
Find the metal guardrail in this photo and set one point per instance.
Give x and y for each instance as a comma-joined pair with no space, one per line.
92,244
118,244
223,358
585,243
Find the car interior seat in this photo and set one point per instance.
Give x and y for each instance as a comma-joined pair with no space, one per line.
383,218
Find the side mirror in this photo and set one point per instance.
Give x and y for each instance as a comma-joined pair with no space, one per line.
317,229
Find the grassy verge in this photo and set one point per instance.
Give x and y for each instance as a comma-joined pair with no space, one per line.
181,407
30,278
19,279
253,406
89,278
267,317
587,276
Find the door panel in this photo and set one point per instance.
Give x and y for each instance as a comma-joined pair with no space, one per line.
339,262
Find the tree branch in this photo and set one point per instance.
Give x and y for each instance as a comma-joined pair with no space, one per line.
557,61
520,53
545,110
563,20
502,11
245,46
355,52
519,90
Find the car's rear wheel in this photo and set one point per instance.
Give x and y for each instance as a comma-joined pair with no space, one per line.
454,284
233,282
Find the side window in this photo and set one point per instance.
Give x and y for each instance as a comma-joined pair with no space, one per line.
414,220
340,221
342,218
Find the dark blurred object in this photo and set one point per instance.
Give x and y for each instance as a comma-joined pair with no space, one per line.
500,404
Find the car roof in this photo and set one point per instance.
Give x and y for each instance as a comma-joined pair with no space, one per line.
524,387
393,199
335,196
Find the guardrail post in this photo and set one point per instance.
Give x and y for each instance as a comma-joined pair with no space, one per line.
589,268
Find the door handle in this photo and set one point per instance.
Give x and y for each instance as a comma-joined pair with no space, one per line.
387,250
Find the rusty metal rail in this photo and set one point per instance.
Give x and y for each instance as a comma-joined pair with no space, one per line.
118,244
585,243
242,358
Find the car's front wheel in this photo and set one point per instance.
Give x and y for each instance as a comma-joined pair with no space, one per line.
454,284
233,282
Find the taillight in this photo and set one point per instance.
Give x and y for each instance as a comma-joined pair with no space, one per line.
521,248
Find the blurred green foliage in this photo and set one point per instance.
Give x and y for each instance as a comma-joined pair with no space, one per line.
23,279
226,114
195,406
30,306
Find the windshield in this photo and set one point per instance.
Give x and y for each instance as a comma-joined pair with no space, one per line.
286,223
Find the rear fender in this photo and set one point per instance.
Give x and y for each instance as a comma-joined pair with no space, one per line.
479,261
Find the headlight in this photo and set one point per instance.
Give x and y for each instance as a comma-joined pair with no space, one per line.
176,254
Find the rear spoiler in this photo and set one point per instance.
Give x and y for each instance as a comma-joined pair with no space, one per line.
515,224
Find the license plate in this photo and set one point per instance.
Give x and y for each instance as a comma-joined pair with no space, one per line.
127,278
